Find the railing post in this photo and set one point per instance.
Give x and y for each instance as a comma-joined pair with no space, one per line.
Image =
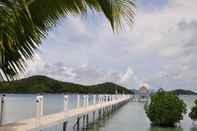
39,107
65,103
87,100
99,99
2,117
78,101
108,98
84,100
94,99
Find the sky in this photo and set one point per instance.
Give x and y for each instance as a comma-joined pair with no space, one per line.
159,49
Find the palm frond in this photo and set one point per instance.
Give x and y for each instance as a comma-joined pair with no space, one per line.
23,23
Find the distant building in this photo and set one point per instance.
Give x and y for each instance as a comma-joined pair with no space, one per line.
144,92
160,90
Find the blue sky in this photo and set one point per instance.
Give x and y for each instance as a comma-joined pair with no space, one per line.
160,48
151,4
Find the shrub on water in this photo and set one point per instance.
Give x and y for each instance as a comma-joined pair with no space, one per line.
193,113
165,109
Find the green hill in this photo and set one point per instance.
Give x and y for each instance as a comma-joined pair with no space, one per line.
43,84
183,92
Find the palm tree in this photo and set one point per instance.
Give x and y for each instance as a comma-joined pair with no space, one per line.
23,23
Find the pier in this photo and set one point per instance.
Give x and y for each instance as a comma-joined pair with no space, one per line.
102,105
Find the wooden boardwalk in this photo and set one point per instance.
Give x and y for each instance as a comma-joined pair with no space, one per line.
40,122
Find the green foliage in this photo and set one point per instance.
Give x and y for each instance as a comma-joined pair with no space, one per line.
43,84
193,113
23,24
165,109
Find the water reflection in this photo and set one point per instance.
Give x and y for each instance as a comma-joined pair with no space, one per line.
130,117
164,129
193,129
99,124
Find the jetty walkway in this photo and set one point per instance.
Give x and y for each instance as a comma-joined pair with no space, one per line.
102,105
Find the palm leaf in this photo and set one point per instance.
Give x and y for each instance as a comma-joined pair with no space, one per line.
23,23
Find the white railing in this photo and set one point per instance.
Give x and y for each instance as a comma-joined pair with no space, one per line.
99,100
102,99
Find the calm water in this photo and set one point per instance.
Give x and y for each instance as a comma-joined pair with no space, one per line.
130,117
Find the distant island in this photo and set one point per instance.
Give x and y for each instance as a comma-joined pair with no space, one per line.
44,84
176,91
183,92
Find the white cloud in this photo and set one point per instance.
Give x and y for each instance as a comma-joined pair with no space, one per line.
82,74
161,49
129,78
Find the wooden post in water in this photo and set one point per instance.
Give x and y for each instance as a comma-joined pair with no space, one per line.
103,101
78,123
99,113
2,113
106,100
100,102
87,116
104,107
65,126
111,101
94,103
87,120
83,121
93,116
